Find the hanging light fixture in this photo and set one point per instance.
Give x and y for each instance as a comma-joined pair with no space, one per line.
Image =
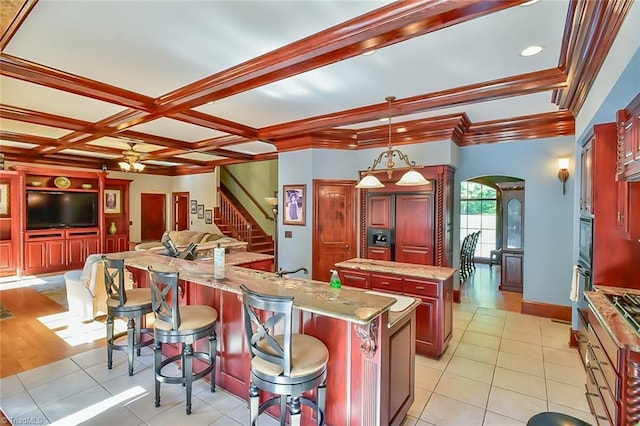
410,178
131,160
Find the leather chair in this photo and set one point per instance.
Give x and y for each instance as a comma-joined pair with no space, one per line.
286,364
183,325
132,304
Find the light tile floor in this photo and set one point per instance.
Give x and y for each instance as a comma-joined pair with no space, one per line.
500,369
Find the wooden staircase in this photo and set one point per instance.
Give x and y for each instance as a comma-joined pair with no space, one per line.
232,216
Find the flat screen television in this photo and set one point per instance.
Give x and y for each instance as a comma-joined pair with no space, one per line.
55,209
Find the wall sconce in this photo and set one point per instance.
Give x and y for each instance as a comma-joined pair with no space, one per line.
563,173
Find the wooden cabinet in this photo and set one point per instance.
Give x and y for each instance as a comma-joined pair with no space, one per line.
511,272
586,174
613,374
420,218
434,315
628,147
10,236
354,278
379,253
615,217
45,251
414,231
116,215
379,211
116,243
80,244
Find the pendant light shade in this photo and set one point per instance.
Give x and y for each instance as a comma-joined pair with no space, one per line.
369,181
410,178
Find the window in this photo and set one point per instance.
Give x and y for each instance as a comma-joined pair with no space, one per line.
478,213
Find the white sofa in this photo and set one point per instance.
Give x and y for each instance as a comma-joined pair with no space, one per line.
86,292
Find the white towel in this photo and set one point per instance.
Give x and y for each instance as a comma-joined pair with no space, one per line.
573,294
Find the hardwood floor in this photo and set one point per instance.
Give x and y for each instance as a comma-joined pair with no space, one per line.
482,289
35,335
26,342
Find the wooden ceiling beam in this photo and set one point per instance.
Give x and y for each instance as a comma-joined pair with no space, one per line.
523,84
590,31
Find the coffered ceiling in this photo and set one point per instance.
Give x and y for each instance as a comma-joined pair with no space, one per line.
195,84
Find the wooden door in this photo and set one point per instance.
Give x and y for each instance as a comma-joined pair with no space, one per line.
180,211
414,229
153,218
334,225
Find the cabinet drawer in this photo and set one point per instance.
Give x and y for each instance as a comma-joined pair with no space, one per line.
421,287
596,403
601,364
354,279
607,345
386,282
596,372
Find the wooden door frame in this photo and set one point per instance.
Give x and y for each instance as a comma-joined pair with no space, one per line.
175,204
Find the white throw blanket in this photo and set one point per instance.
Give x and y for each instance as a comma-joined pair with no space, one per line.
573,294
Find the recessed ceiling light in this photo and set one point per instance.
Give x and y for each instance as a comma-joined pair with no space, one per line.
369,52
529,3
531,50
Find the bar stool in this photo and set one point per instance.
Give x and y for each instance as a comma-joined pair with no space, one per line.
286,364
549,418
183,325
132,304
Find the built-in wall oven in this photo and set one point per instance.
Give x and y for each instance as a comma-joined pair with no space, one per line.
583,267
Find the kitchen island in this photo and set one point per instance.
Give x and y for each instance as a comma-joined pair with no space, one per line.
371,369
433,285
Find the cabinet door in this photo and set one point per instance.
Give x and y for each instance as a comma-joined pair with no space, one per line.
34,255
427,327
379,253
511,278
7,264
414,229
379,211
91,246
354,279
75,252
56,254
586,176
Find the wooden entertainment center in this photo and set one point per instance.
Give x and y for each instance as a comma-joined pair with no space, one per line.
27,249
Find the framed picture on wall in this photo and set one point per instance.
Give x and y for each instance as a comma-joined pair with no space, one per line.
208,216
200,211
194,206
112,201
4,200
294,204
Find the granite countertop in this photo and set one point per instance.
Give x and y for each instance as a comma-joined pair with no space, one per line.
624,336
406,269
348,304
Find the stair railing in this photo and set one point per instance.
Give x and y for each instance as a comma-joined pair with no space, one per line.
239,227
246,192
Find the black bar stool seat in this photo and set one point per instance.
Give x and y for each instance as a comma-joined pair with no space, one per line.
550,418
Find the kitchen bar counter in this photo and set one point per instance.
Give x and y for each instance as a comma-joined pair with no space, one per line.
371,371
432,285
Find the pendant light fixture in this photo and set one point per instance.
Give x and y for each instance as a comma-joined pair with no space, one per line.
131,160
410,178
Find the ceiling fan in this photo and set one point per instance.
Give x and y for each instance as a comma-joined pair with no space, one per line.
131,160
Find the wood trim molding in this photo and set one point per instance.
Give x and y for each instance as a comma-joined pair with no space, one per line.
590,30
546,310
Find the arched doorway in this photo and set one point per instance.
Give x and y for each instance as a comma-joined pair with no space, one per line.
485,203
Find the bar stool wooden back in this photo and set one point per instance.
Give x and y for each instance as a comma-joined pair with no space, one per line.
286,364
183,325
132,304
